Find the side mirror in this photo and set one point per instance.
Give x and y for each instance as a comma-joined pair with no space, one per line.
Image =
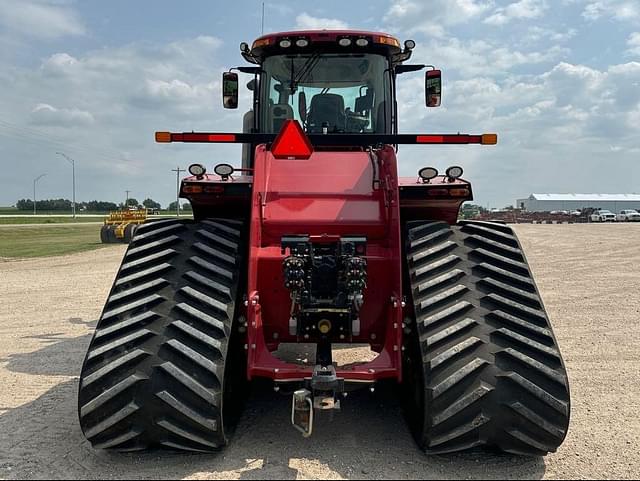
230,90
433,88
302,107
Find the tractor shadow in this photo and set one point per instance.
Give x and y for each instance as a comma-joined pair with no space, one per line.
59,356
368,439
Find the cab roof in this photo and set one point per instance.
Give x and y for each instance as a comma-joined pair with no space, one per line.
378,42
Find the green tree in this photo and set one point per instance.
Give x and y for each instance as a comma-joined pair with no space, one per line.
151,204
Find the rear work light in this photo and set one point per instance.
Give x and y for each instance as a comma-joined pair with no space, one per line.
291,142
454,172
428,173
198,170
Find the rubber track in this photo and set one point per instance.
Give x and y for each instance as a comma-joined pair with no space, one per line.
154,373
491,372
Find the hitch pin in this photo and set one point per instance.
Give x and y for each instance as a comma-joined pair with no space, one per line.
302,412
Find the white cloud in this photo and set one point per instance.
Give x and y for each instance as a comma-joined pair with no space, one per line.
433,17
482,57
618,9
304,21
523,9
536,34
40,19
634,43
47,115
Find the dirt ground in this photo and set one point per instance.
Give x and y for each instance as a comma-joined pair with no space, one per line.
589,277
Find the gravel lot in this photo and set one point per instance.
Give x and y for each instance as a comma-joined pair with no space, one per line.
589,277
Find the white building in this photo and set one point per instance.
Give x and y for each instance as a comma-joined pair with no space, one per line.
548,202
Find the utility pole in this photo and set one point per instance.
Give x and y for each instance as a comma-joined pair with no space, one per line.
73,173
34,191
126,202
262,26
177,170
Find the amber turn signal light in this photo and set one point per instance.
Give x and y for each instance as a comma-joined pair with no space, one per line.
489,139
163,137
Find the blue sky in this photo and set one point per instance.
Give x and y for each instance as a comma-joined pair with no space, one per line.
559,81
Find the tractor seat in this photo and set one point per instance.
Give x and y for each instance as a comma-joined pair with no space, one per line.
326,109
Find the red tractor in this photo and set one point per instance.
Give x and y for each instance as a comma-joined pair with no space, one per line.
317,240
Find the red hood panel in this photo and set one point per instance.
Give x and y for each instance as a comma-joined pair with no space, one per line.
330,192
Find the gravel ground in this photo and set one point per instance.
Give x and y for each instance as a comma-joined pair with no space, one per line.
589,277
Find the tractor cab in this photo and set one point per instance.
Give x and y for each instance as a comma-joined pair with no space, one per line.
330,82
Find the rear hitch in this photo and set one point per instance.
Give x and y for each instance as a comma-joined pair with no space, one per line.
324,388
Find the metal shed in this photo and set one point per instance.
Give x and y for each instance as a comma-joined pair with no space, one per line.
549,202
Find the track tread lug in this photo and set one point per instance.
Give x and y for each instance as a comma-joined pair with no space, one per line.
453,352
188,381
459,431
183,433
160,268
132,321
145,302
179,406
143,248
462,403
155,257
453,275
210,267
134,291
111,366
109,394
450,331
119,440
134,337
443,386
444,296
112,420
144,236
443,315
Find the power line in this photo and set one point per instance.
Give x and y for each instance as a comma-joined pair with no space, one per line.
33,136
47,136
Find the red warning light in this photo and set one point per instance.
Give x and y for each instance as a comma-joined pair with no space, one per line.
291,142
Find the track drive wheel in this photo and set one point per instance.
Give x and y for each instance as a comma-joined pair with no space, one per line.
129,232
166,364
482,366
104,234
111,235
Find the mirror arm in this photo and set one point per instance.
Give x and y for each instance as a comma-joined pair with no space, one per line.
412,68
249,70
250,58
